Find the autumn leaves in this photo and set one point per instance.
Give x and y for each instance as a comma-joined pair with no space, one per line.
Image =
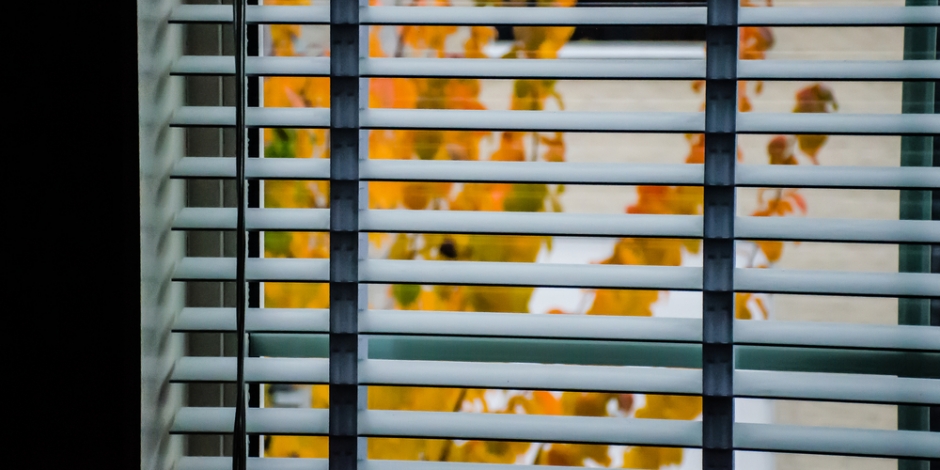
429,145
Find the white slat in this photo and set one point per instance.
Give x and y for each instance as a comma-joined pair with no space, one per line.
267,269
546,16
529,274
837,335
289,370
837,230
837,123
836,387
789,281
271,421
531,428
839,16
257,320
837,441
531,377
856,70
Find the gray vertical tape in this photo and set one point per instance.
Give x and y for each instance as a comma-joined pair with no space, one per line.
346,300
718,236
916,98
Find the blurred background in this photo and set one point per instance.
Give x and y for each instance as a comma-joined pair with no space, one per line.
804,43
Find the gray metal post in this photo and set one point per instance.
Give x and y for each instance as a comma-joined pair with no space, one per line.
916,97
721,37
346,295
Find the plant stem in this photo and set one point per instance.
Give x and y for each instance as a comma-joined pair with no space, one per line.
456,408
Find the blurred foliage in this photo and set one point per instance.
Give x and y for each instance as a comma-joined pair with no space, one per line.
532,42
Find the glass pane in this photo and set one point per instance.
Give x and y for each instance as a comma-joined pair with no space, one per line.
625,150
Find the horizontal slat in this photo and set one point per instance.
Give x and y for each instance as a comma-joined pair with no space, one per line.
611,353
855,70
531,377
444,170
215,218
531,428
464,349
224,116
289,370
530,172
267,269
409,322
254,14
679,433
271,421
566,121
837,230
529,274
838,361
254,66
519,376
837,335
449,374
255,168
824,123
839,16
839,441
431,465
307,320
254,463
787,281
573,69
413,424
836,387
448,273
496,223
466,16
257,463
780,16
531,223
560,121
413,322
844,177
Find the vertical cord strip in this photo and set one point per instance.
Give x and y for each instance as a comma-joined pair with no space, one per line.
345,299
240,438
934,416
718,245
916,98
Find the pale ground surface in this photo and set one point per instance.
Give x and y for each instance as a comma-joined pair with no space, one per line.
791,43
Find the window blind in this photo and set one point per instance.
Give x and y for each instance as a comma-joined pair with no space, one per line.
349,346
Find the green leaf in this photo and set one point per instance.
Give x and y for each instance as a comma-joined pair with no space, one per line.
406,294
277,243
283,144
526,198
